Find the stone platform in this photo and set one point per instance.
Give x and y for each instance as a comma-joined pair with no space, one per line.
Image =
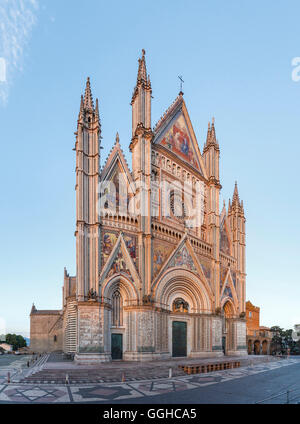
57,369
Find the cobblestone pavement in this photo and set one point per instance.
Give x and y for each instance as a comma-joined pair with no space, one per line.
107,392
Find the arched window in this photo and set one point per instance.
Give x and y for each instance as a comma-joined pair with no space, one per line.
117,309
180,305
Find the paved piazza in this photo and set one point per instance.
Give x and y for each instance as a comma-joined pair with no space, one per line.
12,364
147,391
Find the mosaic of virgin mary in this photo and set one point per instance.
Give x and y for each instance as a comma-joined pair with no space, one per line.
177,139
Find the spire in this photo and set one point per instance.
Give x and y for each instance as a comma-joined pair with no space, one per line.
142,79
211,139
81,110
141,98
87,109
117,138
242,207
236,202
142,71
33,309
97,112
88,98
235,197
208,135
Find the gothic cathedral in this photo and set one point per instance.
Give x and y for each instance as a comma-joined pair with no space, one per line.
160,272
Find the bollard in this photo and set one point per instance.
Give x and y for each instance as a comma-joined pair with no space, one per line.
123,377
67,378
170,372
8,377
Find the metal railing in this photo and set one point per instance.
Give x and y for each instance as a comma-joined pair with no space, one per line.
287,396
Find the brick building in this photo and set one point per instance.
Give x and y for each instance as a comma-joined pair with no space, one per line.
258,337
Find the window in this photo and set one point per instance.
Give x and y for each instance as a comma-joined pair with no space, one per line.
55,338
250,314
177,206
117,309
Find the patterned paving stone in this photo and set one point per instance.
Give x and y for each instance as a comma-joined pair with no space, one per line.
34,394
103,393
106,392
157,387
205,380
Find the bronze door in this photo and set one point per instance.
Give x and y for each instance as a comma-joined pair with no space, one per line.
179,338
116,346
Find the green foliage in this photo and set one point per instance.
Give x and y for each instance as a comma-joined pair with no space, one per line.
15,340
282,341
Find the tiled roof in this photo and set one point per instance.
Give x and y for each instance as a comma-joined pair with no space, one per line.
47,312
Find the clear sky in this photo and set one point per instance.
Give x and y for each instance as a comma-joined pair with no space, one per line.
236,61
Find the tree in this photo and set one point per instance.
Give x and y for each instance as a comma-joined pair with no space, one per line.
16,341
276,342
282,340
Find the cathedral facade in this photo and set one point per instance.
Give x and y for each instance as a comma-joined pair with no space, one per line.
160,271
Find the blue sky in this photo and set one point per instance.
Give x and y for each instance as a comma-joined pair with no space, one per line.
235,58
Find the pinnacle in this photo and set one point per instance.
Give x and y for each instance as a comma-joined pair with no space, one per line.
213,139
208,136
142,71
88,98
211,135
235,197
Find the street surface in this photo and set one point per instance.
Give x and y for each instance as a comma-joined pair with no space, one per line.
247,384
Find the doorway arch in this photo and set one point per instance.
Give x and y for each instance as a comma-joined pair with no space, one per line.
227,316
257,347
249,347
265,347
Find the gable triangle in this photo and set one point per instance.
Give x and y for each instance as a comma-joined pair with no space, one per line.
228,289
183,259
176,134
116,162
119,262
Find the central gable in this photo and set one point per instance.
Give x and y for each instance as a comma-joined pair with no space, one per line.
175,133
177,138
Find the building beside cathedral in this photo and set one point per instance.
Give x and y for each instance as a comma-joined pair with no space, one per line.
259,338
160,272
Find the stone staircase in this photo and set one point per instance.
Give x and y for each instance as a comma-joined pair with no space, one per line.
35,368
104,375
58,371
